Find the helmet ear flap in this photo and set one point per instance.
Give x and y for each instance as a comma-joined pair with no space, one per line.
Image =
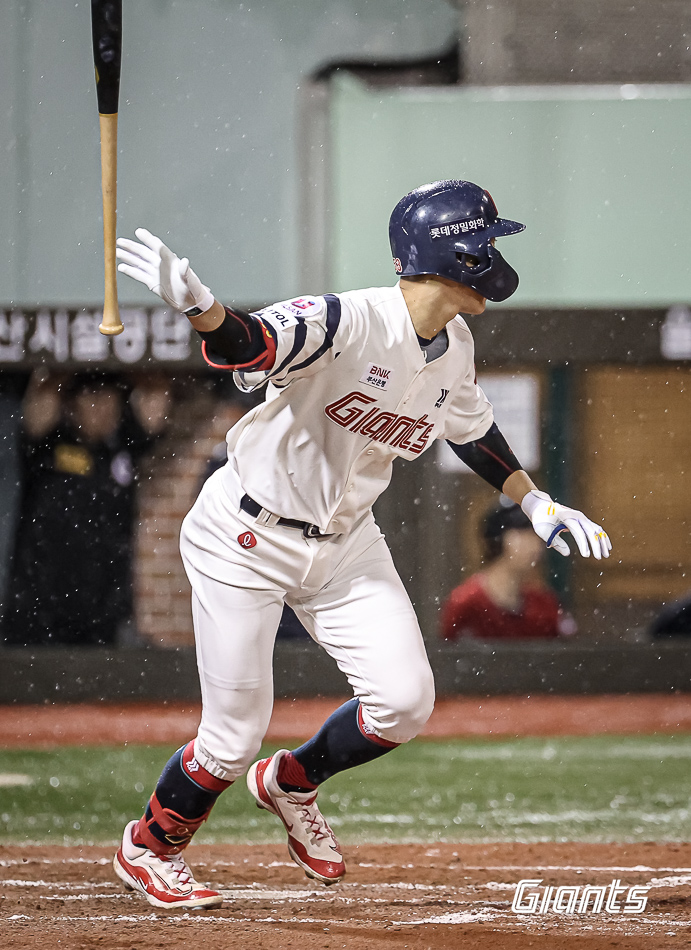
498,281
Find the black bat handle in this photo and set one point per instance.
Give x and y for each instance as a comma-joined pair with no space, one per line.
106,30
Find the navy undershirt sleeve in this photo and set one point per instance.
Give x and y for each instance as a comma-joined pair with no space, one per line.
489,457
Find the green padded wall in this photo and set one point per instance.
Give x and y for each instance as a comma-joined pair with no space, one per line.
600,175
208,134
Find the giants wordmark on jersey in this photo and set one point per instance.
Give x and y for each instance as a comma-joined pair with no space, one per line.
380,425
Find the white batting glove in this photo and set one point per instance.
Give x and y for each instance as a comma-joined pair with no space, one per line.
550,519
156,266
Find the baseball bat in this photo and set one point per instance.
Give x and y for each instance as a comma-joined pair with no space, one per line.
106,32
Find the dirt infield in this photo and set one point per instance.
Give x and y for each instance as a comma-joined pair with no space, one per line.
394,896
95,724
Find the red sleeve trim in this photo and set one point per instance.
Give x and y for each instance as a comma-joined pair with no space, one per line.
372,736
211,362
199,774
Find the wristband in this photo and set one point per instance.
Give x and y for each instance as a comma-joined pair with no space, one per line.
206,303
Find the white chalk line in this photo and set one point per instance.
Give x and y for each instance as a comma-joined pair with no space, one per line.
247,890
199,917
677,881
58,885
12,862
465,917
453,918
564,867
255,894
348,894
264,892
462,917
86,897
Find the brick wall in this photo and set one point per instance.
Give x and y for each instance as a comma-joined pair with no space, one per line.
170,481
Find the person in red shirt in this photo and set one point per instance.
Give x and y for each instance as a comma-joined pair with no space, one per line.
503,602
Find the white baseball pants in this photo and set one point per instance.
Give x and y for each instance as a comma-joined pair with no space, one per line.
344,589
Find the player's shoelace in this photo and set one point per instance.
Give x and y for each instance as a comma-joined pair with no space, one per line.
314,822
176,870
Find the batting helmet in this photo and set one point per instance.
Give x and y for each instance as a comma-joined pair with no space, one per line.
446,228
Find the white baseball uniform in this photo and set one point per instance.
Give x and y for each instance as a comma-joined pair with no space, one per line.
349,390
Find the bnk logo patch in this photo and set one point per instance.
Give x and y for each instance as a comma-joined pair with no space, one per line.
377,376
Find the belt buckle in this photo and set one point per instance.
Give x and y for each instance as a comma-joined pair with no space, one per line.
311,531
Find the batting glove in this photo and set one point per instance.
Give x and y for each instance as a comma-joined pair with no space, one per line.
550,519
156,266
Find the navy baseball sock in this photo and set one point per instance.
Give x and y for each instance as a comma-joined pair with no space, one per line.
184,796
341,743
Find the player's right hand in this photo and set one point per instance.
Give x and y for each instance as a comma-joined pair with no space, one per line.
157,267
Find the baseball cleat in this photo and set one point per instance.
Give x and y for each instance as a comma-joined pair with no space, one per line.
164,880
311,842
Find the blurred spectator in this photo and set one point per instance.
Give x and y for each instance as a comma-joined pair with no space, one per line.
674,620
504,601
71,576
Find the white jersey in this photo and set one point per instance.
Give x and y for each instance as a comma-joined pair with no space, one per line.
349,391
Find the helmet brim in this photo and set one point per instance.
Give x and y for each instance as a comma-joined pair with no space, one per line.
503,226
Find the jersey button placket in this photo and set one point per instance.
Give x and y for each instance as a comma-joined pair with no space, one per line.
412,388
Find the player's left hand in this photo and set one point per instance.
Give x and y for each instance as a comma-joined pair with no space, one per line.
550,519
162,271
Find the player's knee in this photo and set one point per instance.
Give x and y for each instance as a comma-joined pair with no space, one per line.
418,707
407,707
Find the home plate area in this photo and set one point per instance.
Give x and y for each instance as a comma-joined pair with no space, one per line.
445,895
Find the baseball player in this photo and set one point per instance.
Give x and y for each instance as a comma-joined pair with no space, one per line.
353,380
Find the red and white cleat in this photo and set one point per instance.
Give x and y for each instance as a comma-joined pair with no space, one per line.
164,880
311,842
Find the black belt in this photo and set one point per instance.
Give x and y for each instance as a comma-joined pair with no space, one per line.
253,508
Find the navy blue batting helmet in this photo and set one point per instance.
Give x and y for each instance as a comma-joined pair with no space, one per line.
446,228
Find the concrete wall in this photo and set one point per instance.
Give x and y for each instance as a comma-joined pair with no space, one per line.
303,669
208,150
545,41
209,127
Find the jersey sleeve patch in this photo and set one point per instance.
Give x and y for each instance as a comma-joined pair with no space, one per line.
277,317
303,306
288,313
303,330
